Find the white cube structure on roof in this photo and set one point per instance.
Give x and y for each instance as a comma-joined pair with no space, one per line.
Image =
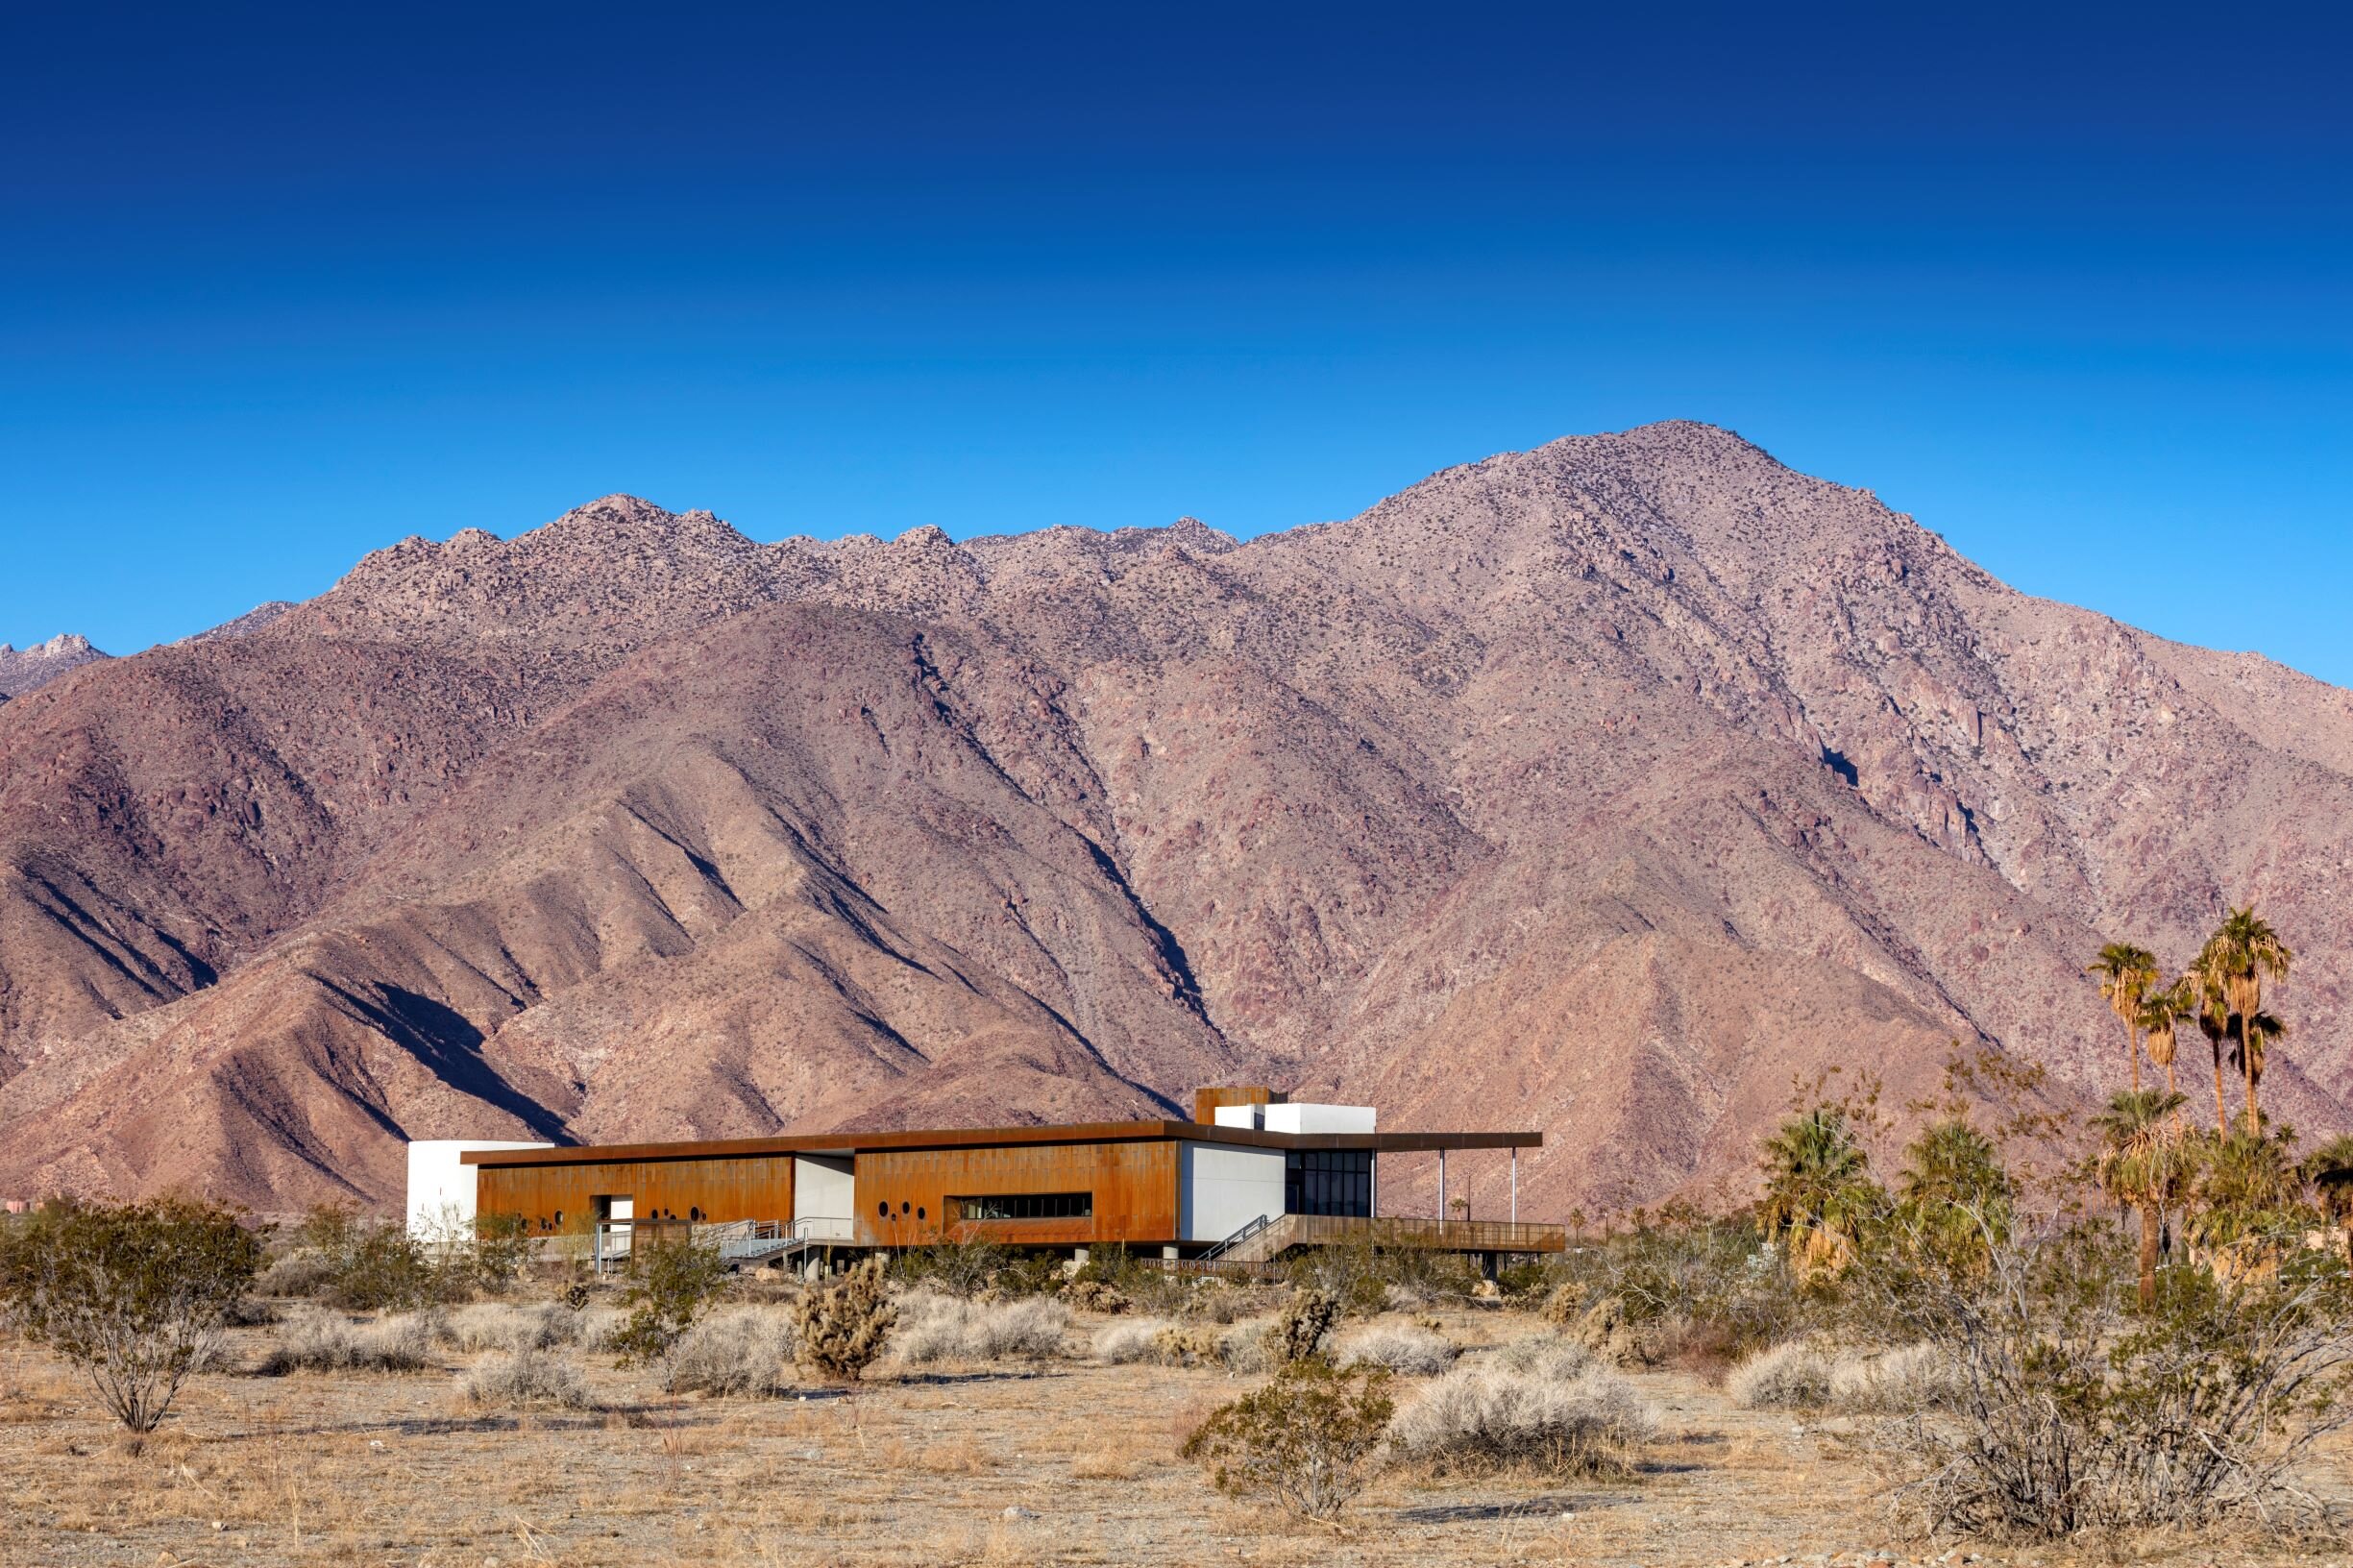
441,1188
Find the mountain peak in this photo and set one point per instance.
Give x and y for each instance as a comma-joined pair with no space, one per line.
23,669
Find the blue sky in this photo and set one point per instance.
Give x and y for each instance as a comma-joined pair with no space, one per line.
282,285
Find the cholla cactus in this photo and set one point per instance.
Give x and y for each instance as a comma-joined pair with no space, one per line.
843,1326
1299,1333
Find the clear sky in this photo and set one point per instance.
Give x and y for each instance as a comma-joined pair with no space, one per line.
280,286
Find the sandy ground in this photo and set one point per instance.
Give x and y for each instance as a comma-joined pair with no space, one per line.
396,1469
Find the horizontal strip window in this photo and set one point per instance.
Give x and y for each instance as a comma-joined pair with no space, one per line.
1027,1205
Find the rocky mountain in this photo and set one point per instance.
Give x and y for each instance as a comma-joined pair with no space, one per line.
23,669
1607,788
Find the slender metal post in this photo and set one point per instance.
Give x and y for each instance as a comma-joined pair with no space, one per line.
1441,1189
1515,1183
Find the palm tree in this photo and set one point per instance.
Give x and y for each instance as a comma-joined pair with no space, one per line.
2329,1168
2244,950
1954,1194
2125,974
2144,1163
2162,1012
2209,1010
1819,1195
2256,1032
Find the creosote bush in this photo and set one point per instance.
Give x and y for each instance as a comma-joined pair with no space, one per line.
1309,1439
671,1286
844,1327
136,1294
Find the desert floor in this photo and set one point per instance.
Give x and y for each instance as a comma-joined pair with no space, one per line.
1069,1462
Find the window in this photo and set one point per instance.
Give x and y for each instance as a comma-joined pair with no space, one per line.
1026,1206
1327,1181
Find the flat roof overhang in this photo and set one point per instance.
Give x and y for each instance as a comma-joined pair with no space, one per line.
974,1137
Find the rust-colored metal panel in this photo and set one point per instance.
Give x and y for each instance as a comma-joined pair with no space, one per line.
905,1195
983,1137
558,1198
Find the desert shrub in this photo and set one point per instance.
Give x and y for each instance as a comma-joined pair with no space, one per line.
1710,1278
1299,1330
1095,1296
295,1274
962,1262
1555,1413
1131,1340
1400,1347
1308,1439
1549,1355
1029,1274
1795,1375
497,1326
600,1329
844,1327
315,1339
136,1295
1893,1382
670,1287
1366,1278
744,1351
2076,1409
525,1376
943,1329
1619,1331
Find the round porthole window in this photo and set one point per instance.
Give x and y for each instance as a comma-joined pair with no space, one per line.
882,1210
918,1213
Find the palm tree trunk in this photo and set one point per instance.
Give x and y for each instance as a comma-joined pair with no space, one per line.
2168,1079
2148,1255
2246,1058
2132,1049
2221,1112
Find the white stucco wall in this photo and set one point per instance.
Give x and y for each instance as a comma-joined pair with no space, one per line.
1320,1119
824,1188
441,1191
1221,1189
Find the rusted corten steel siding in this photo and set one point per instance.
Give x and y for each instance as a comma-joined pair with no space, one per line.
759,1187
903,1195
1097,1132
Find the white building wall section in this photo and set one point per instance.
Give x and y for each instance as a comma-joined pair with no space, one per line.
825,1193
1320,1119
1221,1189
441,1188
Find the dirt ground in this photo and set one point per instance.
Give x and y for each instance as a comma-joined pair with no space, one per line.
1069,1462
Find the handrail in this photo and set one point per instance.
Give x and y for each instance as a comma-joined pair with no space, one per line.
1236,1238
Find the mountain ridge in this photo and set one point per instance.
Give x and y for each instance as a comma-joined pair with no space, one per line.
1613,784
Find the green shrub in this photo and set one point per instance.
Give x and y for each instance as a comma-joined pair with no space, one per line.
1308,1439
136,1294
1299,1330
671,1286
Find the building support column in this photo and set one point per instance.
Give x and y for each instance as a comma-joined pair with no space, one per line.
1515,1183
1441,1188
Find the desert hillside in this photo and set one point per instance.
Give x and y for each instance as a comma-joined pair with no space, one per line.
1604,788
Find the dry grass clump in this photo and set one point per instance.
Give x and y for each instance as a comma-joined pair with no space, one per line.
1894,1382
497,1326
314,1339
743,1352
1551,1411
935,1328
1131,1340
527,1376
1795,1375
295,1274
1400,1347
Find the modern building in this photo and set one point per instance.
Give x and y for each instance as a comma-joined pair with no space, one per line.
1249,1178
